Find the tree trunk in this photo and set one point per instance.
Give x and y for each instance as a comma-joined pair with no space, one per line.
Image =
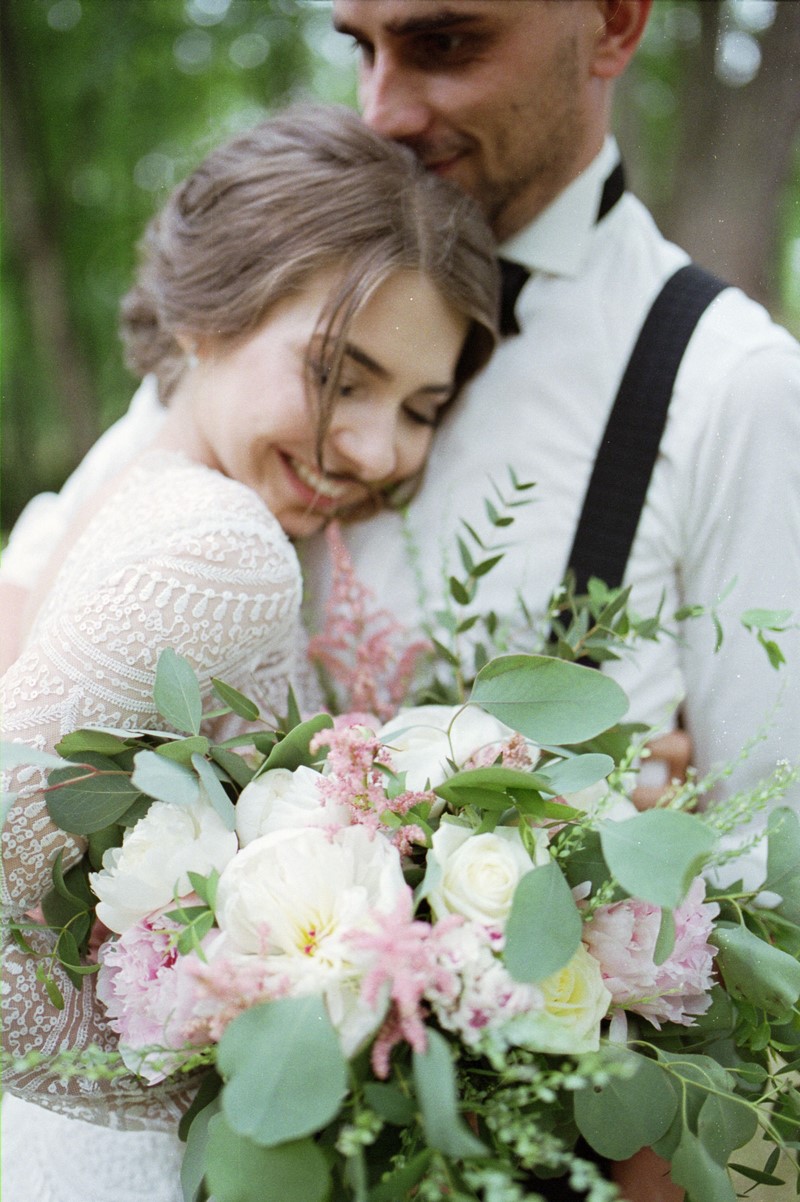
735,155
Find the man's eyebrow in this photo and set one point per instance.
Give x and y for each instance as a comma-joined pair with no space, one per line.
424,23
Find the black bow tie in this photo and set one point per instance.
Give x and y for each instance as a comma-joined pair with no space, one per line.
513,276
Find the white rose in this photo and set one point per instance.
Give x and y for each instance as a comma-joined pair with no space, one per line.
575,1002
422,740
157,853
297,896
279,800
479,873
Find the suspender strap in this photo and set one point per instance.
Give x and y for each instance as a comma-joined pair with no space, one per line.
614,499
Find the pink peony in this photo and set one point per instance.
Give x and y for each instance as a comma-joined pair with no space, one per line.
148,992
622,937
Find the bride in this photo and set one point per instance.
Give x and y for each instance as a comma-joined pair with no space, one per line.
310,300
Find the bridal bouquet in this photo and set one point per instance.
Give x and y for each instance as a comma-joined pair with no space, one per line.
419,958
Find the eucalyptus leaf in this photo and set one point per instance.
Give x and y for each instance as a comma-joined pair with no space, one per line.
665,943
725,1124
164,780
235,765
241,705
543,930
576,773
754,970
548,700
20,755
292,751
193,1167
239,1170
634,850
177,693
214,791
87,805
435,1084
400,1184
783,858
182,750
628,1112
284,1069
101,741
695,1169
388,1102
587,863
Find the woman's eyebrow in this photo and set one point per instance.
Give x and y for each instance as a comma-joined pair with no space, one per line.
356,353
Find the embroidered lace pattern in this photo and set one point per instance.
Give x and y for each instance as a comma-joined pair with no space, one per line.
181,557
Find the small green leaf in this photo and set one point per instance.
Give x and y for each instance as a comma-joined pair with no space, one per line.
543,930
285,1072
401,1184
241,705
548,700
435,1085
79,741
756,971
388,1102
634,851
576,773
18,755
239,1170
698,1173
164,780
214,791
783,858
460,594
725,1124
177,693
182,750
235,765
89,804
293,750
665,942
196,1136
628,1113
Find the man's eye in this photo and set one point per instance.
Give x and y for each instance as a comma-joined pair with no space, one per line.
443,47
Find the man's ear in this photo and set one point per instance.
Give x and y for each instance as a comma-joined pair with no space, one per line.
623,24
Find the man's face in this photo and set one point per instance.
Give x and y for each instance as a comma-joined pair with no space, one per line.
496,95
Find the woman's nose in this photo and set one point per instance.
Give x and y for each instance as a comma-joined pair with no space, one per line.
364,446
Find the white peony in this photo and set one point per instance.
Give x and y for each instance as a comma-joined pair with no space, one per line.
151,866
295,897
422,740
478,873
280,800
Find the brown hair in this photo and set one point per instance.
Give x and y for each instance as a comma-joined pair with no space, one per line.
309,189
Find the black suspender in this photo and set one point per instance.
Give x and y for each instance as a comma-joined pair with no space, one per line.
629,446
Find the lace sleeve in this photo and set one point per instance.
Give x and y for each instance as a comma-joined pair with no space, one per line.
206,571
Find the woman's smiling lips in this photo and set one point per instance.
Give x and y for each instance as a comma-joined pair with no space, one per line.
316,489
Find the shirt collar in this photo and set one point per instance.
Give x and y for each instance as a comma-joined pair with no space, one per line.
557,241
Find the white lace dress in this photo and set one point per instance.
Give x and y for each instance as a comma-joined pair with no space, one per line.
179,556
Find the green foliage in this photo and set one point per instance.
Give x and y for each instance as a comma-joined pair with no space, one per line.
634,852
544,928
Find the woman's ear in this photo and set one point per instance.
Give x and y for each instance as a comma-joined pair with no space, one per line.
623,24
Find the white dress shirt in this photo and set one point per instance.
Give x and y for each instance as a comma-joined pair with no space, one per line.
724,500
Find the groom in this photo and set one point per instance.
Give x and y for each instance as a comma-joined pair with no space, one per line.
511,100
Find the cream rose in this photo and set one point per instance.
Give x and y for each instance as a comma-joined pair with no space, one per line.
575,1002
151,866
478,873
422,740
280,799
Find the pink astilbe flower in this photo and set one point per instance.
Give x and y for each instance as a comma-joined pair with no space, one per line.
226,987
622,937
405,964
356,782
514,753
368,654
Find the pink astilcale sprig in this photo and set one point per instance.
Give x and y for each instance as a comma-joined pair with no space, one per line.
405,964
355,781
368,654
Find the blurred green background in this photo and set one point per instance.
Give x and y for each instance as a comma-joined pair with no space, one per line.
107,103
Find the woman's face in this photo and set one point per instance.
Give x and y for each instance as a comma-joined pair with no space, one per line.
250,415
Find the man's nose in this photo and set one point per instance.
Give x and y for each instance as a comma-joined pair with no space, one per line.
393,101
